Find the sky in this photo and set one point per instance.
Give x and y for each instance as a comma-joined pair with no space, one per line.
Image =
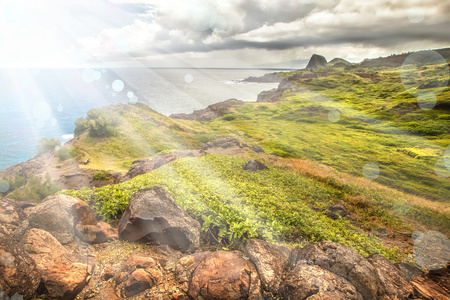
214,33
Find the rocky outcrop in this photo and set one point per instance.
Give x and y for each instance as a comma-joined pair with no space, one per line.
211,112
342,261
63,273
434,284
257,149
142,166
220,275
254,165
316,61
393,282
271,263
18,271
266,78
154,216
59,216
314,282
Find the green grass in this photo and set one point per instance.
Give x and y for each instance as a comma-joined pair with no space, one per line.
239,205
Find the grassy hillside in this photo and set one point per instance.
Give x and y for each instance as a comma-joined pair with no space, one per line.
355,120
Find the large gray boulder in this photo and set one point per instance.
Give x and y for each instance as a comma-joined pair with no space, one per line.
154,216
59,216
342,261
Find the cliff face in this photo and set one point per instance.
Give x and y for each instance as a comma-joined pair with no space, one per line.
211,112
316,61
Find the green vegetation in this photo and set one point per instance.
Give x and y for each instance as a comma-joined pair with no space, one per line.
101,175
236,204
33,188
65,153
99,122
45,145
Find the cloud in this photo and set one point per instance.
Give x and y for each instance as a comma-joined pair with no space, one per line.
175,27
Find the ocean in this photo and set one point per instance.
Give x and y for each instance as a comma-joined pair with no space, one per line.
37,103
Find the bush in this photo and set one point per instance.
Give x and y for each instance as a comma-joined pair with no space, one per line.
102,176
66,153
35,189
99,122
45,145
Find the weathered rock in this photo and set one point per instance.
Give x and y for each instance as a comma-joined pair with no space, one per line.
409,271
225,275
186,266
253,165
153,215
63,273
211,112
342,261
107,274
59,215
226,142
257,149
433,284
139,273
142,166
395,285
12,218
271,262
18,272
96,234
337,210
316,61
305,281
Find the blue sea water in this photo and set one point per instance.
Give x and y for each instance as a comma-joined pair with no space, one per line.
36,103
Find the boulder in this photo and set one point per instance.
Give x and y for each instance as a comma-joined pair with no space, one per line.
224,275
395,285
96,234
342,261
186,266
154,216
59,215
12,218
305,281
316,61
63,273
226,142
18,272
336,211
271,263
257,149
253,165
139,273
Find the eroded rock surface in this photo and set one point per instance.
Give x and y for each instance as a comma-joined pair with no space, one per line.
154,216
253,166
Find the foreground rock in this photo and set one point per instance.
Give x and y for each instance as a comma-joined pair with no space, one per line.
271,262
394,283
342,261
434,284
219,275
253,165
154,216
96,234
59,215
139,274
314,282
63,273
